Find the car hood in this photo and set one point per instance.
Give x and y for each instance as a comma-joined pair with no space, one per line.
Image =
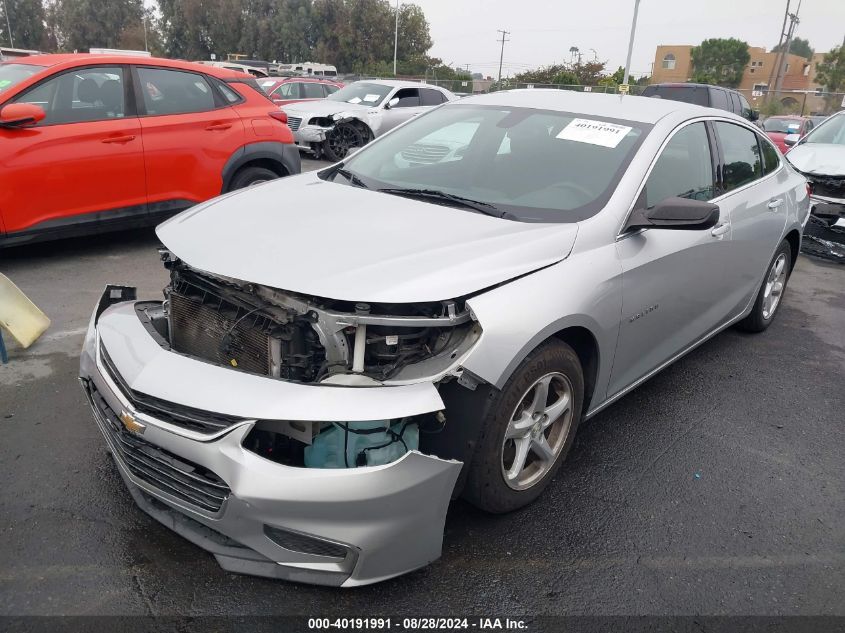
818,158
323,107
331,240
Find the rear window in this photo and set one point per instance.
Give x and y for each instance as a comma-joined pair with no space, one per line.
13,74
688,94
784,126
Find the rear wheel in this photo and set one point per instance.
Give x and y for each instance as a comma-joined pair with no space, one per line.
249,176
771,292
529,431
344,137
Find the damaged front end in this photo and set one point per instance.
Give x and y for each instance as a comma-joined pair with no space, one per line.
291,436
824,235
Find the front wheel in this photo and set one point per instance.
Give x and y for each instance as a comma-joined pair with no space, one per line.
343,138
249,176
529,431
771,292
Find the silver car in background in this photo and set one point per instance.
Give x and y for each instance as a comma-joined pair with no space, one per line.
359,112
342,352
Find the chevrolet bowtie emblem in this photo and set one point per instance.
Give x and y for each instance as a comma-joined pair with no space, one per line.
131,424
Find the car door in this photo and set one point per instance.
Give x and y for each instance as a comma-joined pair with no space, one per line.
408,106
675,283
189,134
85,156
755,203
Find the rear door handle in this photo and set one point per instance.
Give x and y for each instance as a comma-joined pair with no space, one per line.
720,229
774,204
119,139
218,126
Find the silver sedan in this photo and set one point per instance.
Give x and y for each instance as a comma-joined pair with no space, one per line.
341,353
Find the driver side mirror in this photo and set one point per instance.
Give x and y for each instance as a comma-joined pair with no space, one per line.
17,115
791,139
675,213
392,103
753,115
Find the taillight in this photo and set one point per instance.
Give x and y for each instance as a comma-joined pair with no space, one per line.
809,188
279,116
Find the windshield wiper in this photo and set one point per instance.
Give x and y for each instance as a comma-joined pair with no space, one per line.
477,205
350,176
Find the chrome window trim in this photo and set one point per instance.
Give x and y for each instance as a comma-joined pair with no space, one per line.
620,235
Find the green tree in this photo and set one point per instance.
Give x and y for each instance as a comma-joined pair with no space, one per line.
720,61
830,72
77,25
798,46
27,19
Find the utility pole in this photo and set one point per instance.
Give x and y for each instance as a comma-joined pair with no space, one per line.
502,54
8,24
776,66
793,21
396,38
631,42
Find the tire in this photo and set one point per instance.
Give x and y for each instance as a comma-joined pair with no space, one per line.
777,272
248,176
344,137
491,484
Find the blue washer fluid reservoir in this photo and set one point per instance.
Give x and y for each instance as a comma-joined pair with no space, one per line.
371,445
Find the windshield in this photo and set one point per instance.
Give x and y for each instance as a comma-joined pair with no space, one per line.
531,165
362,92
784,126
13,74
831,131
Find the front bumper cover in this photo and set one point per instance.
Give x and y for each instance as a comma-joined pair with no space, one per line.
384,520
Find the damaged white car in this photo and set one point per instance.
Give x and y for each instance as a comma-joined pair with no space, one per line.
340,353
356,114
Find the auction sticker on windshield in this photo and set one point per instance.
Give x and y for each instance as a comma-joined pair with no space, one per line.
594,132
371,98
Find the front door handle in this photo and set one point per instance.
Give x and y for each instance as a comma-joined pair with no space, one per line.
720,229
774,204
218,126
119,139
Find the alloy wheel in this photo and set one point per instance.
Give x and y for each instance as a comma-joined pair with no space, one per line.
537,431
773,290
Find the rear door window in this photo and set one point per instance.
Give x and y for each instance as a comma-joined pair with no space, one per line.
771,157
313,91
741,151
168,91
688,94
719,99
429,97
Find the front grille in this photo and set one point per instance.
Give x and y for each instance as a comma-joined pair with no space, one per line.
207,327
828,187
170,412
425,154
191,483
294,122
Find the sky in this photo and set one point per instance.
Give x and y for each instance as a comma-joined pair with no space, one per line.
542,31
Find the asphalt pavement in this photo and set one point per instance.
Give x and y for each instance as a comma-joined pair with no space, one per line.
715,488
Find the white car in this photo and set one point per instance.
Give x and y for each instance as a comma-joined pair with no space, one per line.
358,113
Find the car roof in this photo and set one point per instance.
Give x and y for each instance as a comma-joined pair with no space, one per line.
613,106
686,84
69,60
399,83
787,116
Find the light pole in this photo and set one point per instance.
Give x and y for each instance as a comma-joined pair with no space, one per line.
631,42
8,24
396,38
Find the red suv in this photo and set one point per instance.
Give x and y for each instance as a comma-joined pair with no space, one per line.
284,90
90,143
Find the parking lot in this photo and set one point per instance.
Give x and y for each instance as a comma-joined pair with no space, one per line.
715,488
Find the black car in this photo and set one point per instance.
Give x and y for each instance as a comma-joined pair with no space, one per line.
705,95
